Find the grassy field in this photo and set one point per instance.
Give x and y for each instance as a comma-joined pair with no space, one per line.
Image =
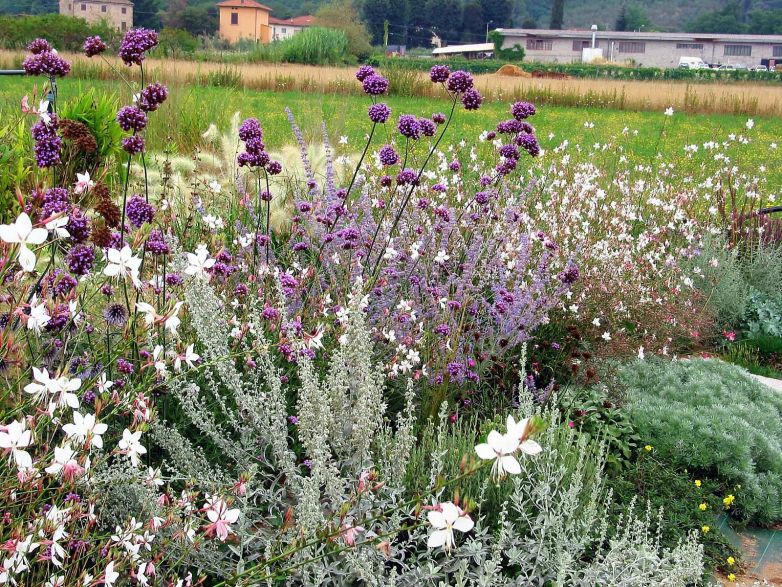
754,99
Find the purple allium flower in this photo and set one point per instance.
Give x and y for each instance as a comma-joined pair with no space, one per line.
270,313
131,118
115,315
266,196
93,46
89,396
459,82
78,226
38,46
422,204
61,283
364,72
509,127
443,329
439,73
107,290
139,211
509,151
386,181
506,166
375,85
379,113
125,367
250,159
151,97
438,118
307,463
47,63
47,143
174,279
522,110
293,419
274,167
428,127
455,166
472,99
482,198
409,127
241,290
81,259
135,43
133,145
55,200
485,180
570,274
59,319
406,177
491,135
300,246
529,143
439,187
156,243
388,156
250,129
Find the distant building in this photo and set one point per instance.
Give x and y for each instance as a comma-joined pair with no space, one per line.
474,51
644,48
285,28
244,19
117,13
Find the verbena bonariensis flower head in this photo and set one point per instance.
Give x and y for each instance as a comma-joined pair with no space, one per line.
38,46
460,81
472,99
522,110
409,127
428,127
529,143
439,73
139,211
375,85
135,44
131,118
48,144
80,259
93,46
156,243
379,113
133,145
250,129
151,97
46,63
364,72
388,156
438,118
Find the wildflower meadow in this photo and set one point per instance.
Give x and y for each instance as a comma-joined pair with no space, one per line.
425,342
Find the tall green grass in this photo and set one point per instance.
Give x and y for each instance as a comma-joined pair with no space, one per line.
312,46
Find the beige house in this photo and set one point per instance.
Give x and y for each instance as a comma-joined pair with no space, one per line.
244,19
117,13
649,49
285,28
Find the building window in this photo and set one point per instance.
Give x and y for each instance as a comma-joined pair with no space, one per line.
696,46
234,18
103,8
540,45
283,30
777,51
84,7
124,26
124,10
631,47
579,45
738,50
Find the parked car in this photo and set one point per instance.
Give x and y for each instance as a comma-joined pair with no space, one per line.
759,68
726,67
692,63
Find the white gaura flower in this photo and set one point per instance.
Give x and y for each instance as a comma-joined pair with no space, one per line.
43,112
441,257
150,315
64,463
445,519
57,227
500,448
110,576
215,186
86,427
61,389
103,383
669,111
520,431
189,357
172,320
220,518
123,264
199,262
83,183
38,317
750,124
16,437
131,446
22,233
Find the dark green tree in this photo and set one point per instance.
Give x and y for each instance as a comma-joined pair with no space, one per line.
727,20
200,20
374,13
529,23
497,12
632,18
621,19
473,23
557,14
398,19
146,13
764,22
444,17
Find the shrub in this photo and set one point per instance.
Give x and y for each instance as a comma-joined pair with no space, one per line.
63,32
315,46
714,420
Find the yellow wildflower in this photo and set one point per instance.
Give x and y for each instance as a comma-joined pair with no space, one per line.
703,507
648,448
731,561
705,529
728,501
732,578
697,483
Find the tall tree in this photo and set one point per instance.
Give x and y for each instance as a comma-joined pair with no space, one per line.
342,15
172,17
444,17
473,23
398,19
632,18
374,13
497,12
621,19
146,13
557,14
726,21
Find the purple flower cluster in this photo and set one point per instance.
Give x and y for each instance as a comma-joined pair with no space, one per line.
472,99
151,97
529,143
407,177
459,82
156,243
54,201
93,46
139,211
254,155
38,46
60,283
438,118
375,85
131,118
428,127
48,144
133,144
409,126
46,63
135,44
522,110
364,72
439,74
80,259
570,274
78,226
379,113
388,156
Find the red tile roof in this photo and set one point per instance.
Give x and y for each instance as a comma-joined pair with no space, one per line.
244,4
306,20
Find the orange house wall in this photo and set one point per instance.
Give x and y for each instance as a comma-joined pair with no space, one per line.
253,24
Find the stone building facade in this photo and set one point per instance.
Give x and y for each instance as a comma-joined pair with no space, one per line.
117,13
